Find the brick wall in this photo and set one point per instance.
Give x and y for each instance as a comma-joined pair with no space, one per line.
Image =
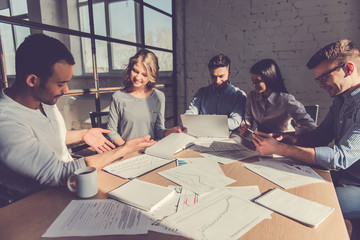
289,31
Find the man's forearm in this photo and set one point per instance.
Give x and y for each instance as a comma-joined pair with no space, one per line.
101,160
74,136
306,155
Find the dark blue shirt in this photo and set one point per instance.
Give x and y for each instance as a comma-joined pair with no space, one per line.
230,101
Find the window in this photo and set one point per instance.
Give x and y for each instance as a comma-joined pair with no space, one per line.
120,28
122,20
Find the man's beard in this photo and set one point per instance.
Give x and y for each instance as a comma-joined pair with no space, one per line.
222,85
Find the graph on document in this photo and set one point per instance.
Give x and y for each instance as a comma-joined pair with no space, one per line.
195,179
136,166
214,218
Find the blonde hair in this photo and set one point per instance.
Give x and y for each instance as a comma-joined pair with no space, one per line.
150,62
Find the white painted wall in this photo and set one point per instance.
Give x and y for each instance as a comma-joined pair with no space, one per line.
289,31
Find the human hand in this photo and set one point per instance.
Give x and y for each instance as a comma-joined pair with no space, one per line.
244,130
265,143
284,138
94,138
176,129
277,135
136,144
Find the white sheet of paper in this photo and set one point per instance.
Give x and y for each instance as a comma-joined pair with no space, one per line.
169,145
246,193
98,217
213,217
136,166
303,210
285,174
196,179
187,199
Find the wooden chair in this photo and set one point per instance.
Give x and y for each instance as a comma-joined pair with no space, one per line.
99,119
94,117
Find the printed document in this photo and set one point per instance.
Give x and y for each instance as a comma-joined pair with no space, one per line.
213,217
136,166
197,179
157,155
285,173
98,217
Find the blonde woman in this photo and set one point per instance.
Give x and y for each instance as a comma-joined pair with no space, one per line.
139,108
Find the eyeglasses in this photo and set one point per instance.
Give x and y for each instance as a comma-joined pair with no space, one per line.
323,77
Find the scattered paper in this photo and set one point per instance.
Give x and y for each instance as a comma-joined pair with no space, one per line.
98,217
136,166
213,217
284,173
196,179
226,157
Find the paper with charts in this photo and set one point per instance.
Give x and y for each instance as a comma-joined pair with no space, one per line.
197,179
300,209
284,172
136,166
213,217
98,217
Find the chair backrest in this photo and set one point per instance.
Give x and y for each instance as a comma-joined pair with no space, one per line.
313,111
102,116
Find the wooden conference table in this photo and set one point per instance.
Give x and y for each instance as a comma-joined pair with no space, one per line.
30,217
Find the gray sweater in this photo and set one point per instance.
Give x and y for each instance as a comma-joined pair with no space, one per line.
132,117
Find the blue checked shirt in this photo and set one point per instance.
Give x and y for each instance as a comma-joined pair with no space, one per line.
342,124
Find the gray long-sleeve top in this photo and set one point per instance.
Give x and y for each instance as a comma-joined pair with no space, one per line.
132,117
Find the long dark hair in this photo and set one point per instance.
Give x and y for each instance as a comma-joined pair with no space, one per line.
270,74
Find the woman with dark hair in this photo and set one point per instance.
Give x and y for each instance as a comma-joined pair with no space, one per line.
270,105
139,108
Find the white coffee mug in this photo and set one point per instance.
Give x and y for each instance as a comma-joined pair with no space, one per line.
85,182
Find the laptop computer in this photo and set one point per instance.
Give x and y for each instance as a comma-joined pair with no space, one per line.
215,126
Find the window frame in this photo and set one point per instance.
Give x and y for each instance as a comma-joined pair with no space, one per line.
23,20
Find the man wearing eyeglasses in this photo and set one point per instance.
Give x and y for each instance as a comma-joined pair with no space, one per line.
336,68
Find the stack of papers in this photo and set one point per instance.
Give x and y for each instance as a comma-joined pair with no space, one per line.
144,195
300,209
226,157
212,146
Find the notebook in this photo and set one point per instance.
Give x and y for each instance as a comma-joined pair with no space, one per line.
140,194
215,126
